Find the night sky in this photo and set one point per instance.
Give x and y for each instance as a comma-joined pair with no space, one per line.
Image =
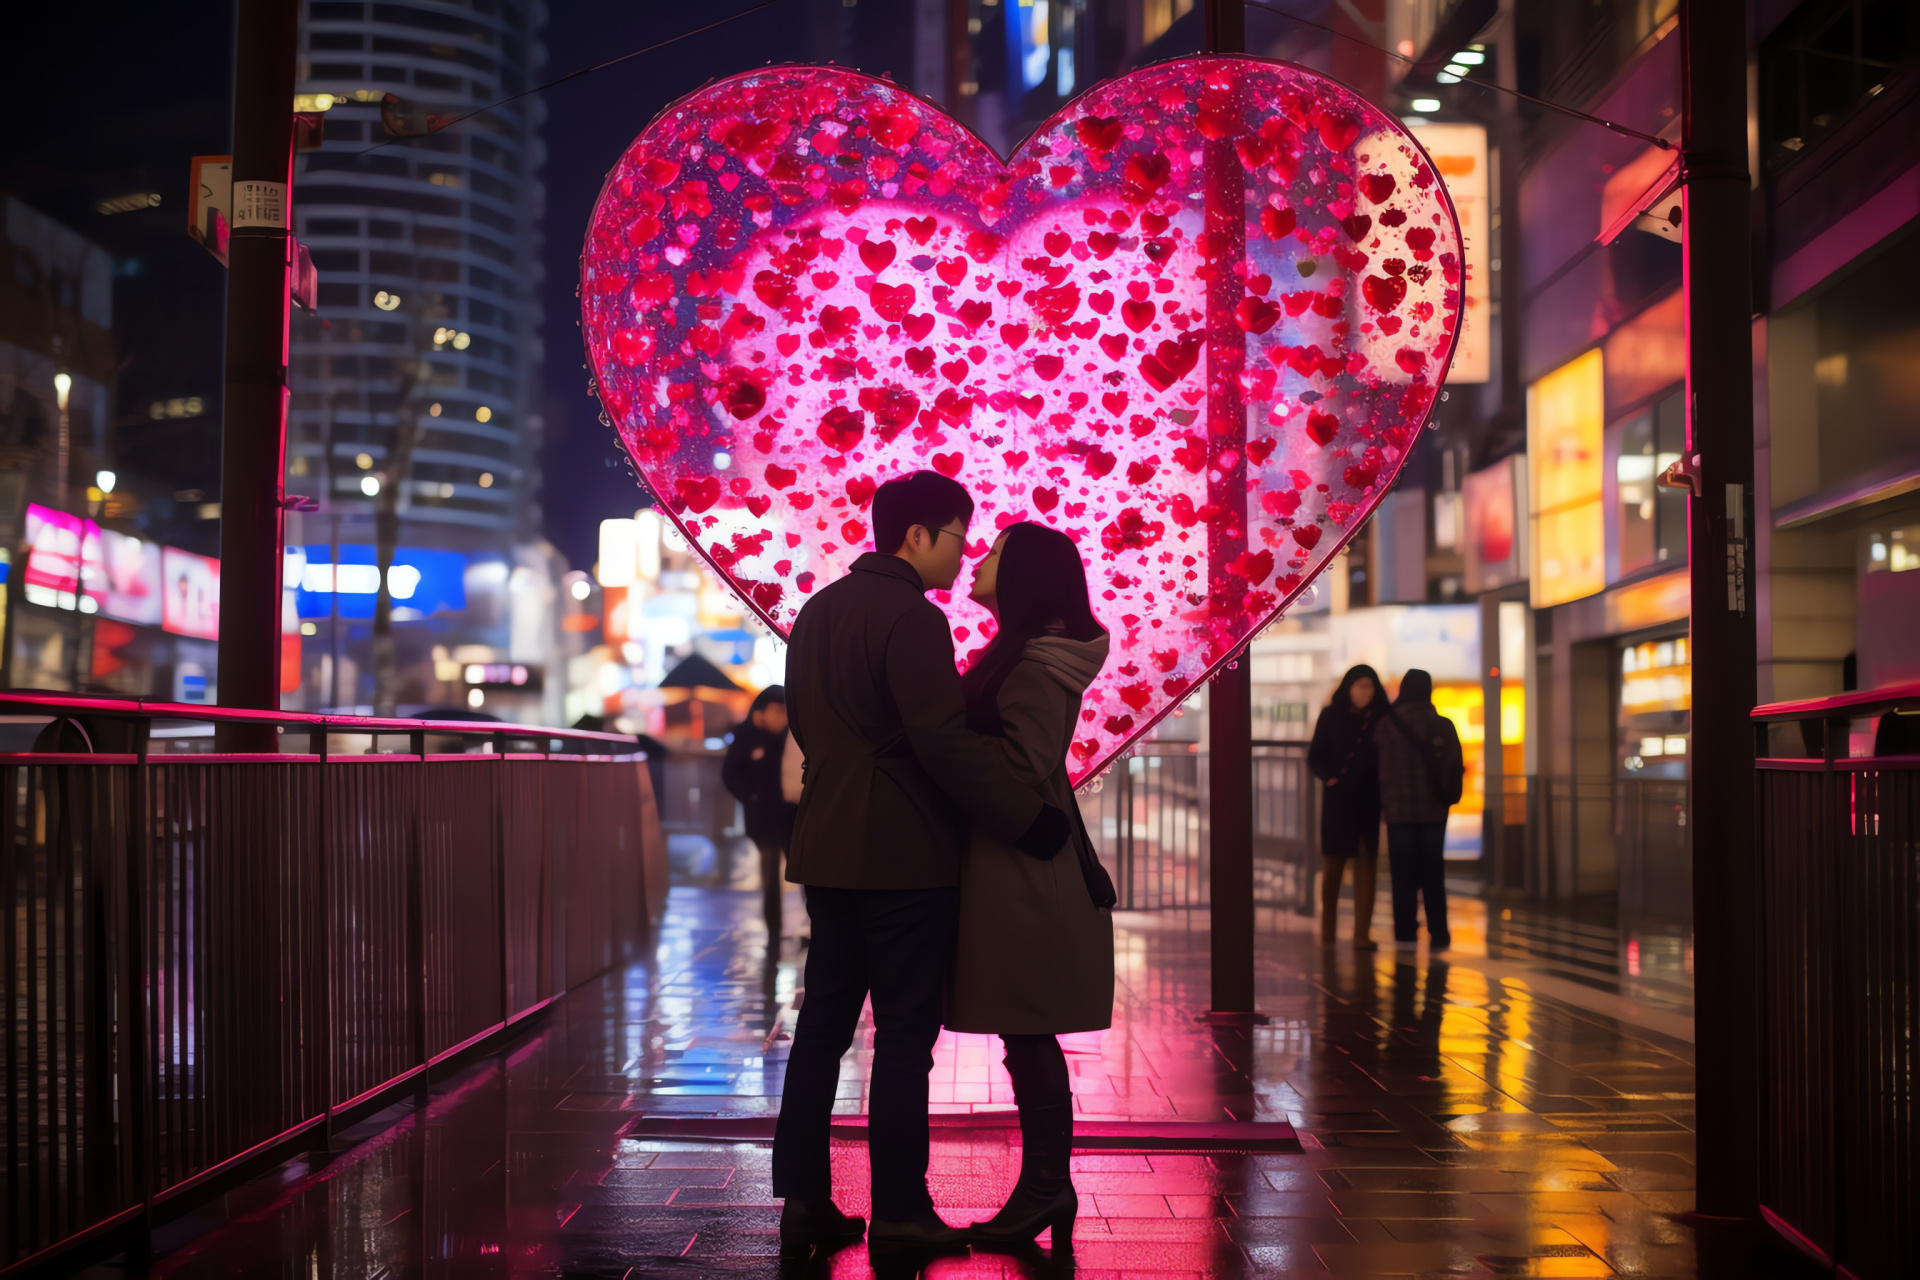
590,122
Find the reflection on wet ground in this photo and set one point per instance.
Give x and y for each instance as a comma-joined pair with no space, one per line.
1456,1119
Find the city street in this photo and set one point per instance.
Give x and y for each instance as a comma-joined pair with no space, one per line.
1451,1121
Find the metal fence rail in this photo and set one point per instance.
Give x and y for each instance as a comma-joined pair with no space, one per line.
209,961
1148,815
1840,861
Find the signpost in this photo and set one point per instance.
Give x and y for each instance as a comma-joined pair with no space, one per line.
253,437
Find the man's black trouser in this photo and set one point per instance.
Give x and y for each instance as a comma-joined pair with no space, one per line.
771,852
1417,856
896,944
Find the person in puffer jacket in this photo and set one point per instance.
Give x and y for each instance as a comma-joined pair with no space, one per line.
1420,774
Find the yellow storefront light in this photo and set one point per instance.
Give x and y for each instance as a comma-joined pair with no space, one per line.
1565,427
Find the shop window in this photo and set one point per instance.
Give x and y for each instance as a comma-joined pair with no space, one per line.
1894,550
1650,520
1822,64
1656,696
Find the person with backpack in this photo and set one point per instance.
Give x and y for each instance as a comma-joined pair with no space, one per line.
751,774
1421,774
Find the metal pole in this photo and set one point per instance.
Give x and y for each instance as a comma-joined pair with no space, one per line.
253,438
1230,698
1726,899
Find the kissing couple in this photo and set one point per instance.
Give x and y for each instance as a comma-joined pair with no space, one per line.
947,872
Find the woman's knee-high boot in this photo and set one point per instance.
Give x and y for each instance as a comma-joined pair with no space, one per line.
1044,1196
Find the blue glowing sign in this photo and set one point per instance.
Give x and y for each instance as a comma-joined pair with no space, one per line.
421,579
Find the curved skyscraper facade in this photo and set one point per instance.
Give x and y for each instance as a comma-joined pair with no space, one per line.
418,382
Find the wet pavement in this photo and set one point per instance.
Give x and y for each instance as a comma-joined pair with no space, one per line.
1454,1119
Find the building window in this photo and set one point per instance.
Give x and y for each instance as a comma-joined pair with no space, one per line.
1822,64
1650,520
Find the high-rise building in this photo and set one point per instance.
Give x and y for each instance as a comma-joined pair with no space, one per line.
426,235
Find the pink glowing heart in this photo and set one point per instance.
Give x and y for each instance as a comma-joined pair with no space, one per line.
1197,322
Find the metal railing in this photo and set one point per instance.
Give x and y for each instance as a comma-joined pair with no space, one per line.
212,961
1148,816
1840,1033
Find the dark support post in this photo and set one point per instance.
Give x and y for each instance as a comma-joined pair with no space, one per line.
1726,899
1493,815
253,437
1230,698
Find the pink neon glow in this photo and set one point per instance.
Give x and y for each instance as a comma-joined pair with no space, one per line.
800,282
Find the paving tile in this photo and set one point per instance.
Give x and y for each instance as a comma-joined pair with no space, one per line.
1452,1125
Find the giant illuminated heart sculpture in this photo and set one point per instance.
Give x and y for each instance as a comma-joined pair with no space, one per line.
1196,322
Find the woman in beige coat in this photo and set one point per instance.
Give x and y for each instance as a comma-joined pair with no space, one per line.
1035,952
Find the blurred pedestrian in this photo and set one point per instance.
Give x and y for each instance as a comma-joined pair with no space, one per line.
751,774
1421,774
1343,758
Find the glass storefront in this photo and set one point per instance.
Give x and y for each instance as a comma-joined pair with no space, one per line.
1656,693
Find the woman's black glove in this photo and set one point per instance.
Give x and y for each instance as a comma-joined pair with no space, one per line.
1047,836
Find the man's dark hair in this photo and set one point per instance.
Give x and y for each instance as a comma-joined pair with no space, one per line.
925,498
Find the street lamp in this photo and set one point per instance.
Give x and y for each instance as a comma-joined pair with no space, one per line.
62,385
105,480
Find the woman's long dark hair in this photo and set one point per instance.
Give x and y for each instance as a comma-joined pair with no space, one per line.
1041,580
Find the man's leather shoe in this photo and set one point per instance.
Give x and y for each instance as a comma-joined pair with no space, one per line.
925,1233
807,1224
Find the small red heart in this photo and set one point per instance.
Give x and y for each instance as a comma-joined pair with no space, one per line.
697,493
1098,133
1255,314
1384,293
892,302
631,346
1137,315
1322,427
877,254
842,428
947,464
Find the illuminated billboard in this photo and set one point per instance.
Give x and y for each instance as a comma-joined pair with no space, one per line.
54,548
1459,152
132,572
1495,551
190,600
1565,419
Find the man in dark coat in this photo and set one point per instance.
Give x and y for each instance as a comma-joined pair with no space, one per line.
894,778
1420,773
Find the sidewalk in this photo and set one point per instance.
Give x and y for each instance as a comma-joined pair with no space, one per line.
1455,1120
